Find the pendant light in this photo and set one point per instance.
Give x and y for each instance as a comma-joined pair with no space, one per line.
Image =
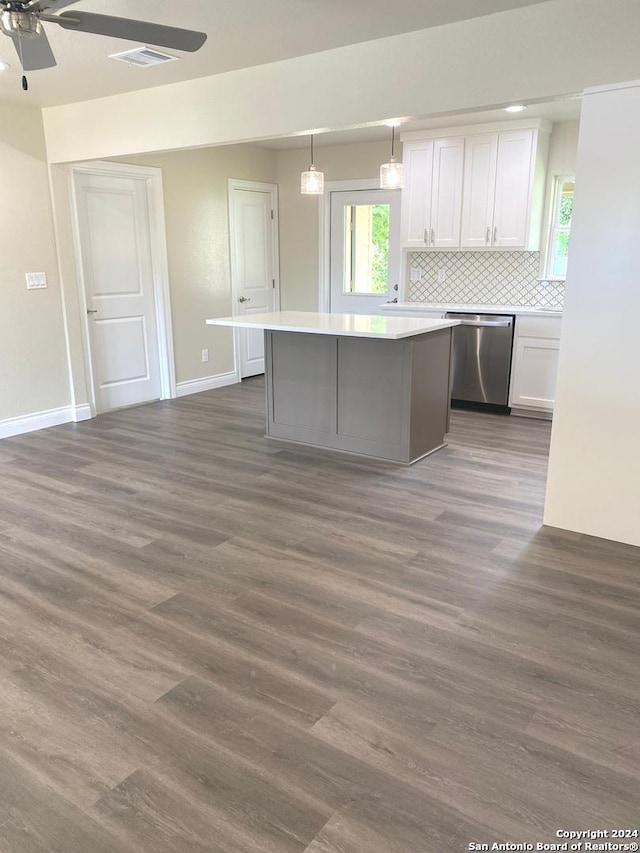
312,181
392,173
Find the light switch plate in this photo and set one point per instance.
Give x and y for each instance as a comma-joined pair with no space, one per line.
416,275
36,280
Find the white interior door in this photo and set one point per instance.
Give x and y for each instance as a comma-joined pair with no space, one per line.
253,221
117,271
365,250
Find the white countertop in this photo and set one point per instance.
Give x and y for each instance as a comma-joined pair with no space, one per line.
474,308
349,325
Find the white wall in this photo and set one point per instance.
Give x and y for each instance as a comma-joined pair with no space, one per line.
299,222
531,53
33,374
196,197
594,470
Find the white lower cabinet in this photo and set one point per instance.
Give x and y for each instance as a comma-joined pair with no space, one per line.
431,315
534,372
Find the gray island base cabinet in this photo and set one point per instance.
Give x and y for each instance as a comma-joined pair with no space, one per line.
381,398
382,393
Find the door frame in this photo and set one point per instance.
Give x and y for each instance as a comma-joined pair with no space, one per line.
324,247
152,177
251,186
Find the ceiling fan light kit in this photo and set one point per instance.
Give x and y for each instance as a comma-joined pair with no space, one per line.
23,24
22,21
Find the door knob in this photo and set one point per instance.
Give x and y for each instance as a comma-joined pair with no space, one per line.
244,299
91,311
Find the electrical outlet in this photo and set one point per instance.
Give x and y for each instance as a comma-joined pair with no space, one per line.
442,275
416,275
36,280
205,355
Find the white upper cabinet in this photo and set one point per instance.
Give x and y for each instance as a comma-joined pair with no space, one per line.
416,194
513,189
446,193
480,164
432,195
475,190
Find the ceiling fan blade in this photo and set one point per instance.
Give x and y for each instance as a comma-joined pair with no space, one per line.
35,53
126,28
46,5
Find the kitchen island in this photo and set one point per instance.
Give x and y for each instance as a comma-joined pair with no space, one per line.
370,385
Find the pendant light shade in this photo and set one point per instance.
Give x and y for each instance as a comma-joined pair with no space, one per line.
312,181
392,173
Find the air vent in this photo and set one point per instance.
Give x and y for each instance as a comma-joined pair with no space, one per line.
143,56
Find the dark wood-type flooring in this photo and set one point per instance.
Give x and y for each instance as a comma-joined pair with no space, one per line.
211,643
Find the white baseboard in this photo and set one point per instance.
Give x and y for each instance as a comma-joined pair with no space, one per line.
38,420
70,414
81,413
208,383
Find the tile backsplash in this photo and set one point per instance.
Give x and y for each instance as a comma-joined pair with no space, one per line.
491,278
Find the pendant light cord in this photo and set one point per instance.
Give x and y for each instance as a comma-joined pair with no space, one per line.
312,149
393,140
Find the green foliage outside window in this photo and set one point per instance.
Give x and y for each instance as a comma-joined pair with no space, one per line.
561,227
380,242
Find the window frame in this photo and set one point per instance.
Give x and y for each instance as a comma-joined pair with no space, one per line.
554,227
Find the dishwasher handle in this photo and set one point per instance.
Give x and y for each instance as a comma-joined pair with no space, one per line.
486,324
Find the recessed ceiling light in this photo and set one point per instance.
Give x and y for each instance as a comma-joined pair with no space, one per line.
515,108
4,66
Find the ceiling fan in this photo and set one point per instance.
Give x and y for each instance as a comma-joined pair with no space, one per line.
22,21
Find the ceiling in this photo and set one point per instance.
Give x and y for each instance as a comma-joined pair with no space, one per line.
242,33
565,109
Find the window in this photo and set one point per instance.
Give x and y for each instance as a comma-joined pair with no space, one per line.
560,227
366,248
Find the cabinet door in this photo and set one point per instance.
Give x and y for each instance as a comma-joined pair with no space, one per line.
480,161
416,195
446,196
535,371
513,186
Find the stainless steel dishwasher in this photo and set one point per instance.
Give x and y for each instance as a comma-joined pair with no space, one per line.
481,363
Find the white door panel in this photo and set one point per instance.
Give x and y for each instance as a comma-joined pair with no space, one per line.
121,347
117,271
253,352
113,252
253,267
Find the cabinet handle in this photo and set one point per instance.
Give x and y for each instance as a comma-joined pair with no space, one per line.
495,235
488,240
426,237
433,237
